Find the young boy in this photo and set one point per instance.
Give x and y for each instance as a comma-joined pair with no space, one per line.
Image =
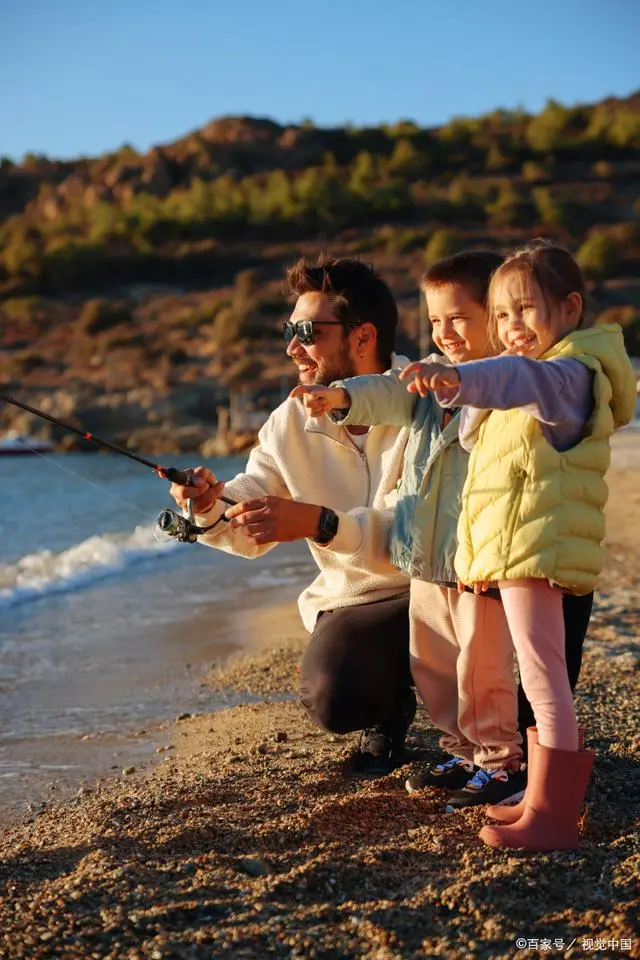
461,651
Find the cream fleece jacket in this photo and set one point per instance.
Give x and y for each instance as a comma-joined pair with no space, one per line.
316,461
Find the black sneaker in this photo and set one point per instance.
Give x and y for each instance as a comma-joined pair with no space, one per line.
455,773
381,748
501,786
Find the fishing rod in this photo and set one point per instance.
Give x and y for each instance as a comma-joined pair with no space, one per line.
169,522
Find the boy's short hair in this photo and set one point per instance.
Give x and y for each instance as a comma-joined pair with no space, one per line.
471,269
356,292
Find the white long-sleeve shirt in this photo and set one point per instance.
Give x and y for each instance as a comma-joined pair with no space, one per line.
317,461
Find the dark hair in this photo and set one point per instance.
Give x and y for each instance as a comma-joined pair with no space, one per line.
471,269
356,294
548,265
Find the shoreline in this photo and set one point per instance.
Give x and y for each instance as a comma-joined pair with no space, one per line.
249,837
39,768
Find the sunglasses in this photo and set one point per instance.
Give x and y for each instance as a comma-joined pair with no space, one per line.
303,330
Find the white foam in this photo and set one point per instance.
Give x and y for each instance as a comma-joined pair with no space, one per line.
43,573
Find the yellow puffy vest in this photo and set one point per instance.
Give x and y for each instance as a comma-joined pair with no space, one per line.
529,510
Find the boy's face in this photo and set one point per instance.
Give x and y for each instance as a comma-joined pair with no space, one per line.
458,322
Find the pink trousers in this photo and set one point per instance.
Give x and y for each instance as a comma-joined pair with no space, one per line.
533,610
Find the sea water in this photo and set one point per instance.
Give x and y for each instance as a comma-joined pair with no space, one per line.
102,626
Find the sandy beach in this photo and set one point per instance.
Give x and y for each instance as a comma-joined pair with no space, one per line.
247,837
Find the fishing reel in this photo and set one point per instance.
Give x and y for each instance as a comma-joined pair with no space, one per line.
173,526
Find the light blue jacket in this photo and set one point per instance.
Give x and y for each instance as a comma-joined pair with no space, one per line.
423,537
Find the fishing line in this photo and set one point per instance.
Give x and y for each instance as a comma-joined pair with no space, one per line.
169,523
91,483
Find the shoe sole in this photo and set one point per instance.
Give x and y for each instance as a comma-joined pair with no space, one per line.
426,786
508,801
433,786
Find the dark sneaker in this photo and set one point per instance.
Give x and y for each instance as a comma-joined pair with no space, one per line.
453,774
500,786
381,747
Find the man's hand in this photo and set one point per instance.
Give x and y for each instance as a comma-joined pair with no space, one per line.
429,376
319,400
203,491
274,519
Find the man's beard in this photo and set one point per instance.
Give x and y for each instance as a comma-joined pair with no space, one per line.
337,368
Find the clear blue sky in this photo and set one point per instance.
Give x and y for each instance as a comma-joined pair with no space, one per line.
85,76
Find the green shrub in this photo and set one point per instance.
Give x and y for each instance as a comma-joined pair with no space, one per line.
407,161
533,172
550,210
598,255
443,243
21,308
508,207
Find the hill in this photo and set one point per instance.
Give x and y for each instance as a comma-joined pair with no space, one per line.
137,290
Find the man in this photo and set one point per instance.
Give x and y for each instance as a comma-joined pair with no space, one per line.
335,487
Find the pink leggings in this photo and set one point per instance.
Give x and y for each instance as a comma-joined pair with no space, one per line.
533,610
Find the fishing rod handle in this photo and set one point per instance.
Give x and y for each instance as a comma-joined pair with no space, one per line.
185,479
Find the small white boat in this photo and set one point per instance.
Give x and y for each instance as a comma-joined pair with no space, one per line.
19,444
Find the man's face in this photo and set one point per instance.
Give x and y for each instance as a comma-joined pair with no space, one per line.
458,323
331,355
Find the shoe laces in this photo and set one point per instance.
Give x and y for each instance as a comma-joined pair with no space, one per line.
482,777
450,764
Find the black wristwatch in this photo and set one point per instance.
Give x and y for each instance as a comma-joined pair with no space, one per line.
327,526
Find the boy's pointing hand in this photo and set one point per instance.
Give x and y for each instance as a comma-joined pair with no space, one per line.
319,400
423,377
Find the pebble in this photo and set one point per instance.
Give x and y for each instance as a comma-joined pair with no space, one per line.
256,867
127,770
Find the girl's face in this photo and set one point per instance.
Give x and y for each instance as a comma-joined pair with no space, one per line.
458,323
527,324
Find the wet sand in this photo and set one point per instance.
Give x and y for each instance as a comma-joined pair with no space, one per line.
87,739
249,837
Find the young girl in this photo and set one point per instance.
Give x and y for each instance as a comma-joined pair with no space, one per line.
532,517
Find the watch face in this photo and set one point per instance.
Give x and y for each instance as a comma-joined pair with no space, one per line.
330,522
328,526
